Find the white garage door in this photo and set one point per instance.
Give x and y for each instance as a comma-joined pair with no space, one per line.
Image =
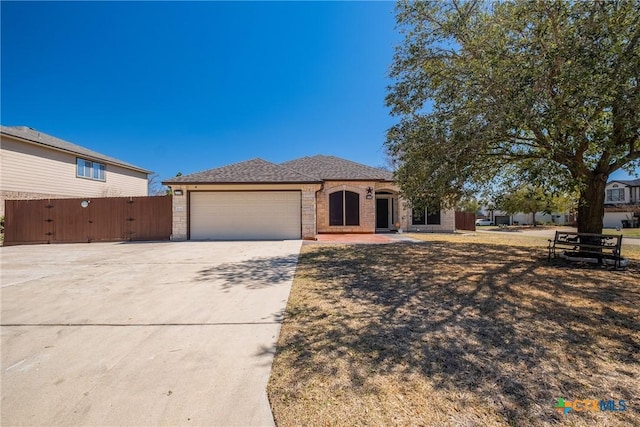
245,215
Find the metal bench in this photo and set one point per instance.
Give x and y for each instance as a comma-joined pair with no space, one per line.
587,246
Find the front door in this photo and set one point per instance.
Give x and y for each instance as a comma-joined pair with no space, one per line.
382,213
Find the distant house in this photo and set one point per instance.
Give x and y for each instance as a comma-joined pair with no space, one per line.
503,218
34,165
257,199
622,204
621,209
622,192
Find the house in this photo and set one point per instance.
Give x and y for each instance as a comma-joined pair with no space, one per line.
622,204
621,209
521,218
257,199
622,192
34,165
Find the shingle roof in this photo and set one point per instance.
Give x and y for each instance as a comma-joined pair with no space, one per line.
33,135
629,182
334,168
250,171
306,169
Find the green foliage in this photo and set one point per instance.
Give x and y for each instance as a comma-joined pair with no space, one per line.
533,199
169,191
533,92
527,200
469,204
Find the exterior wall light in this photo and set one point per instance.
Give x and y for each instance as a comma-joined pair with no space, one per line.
177,193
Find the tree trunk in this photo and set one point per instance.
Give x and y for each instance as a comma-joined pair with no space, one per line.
591,206
533,215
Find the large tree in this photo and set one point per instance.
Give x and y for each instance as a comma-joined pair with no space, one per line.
529,200
542,92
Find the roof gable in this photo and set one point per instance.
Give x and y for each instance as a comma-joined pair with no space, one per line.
40,138
628,182
331,168
251,171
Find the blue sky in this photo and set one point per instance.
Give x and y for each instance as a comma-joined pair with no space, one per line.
190,86
186,87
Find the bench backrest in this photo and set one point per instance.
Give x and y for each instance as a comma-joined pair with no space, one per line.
604,240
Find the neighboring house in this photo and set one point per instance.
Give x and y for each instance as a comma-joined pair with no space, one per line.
622,208
300,198
503,218
558,218
619,217
622,192
34,165
622,204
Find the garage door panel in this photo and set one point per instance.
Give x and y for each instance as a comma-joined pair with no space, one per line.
245,215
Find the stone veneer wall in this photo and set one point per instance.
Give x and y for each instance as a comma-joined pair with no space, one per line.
179,209
309,209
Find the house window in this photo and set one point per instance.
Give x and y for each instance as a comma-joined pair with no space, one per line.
99,171
433,215
615,195
429,216
84,168
344,208
418,217
90,170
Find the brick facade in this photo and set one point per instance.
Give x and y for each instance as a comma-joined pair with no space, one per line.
367,207
315,207
447,223
307,197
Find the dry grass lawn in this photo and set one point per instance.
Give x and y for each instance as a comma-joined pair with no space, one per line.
457,330
627,232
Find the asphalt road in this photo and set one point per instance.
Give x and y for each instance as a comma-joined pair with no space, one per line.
549,233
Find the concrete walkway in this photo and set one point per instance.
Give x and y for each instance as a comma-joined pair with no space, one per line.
141,333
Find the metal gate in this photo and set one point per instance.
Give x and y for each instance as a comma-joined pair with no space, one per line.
87,220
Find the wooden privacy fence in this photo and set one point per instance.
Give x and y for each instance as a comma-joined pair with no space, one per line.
87,220
466,221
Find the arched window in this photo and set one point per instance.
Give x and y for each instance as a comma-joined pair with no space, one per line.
344,208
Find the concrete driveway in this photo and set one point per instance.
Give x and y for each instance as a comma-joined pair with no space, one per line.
141,333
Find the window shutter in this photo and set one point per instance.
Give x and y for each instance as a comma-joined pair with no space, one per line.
352,208
335,208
